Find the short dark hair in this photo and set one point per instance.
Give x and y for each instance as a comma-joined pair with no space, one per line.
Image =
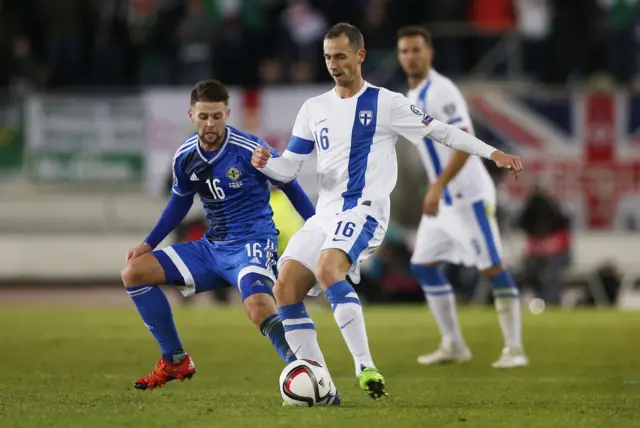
416,30
351,31
210,91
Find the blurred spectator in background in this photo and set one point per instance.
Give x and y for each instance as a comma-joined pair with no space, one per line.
492,19
305,27
247,42
576,41
548,248
25,71
623,23
534,28
152,43
109,44
65,42
194,39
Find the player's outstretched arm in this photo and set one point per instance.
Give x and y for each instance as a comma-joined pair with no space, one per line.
408,121
299,199
457,139
176,210
283,169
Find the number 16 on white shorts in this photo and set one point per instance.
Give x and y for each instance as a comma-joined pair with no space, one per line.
355,233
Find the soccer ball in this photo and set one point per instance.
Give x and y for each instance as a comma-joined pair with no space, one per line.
305,383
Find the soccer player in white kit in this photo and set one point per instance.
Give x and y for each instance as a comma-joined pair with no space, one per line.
354,128
458,224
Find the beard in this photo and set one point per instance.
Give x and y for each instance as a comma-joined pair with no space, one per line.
206,139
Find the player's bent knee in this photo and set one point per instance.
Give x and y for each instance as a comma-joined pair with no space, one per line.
287,293
130,276
328,273
293,283
259,307
142,271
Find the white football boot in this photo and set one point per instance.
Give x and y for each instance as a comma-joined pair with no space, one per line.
511,358
448,352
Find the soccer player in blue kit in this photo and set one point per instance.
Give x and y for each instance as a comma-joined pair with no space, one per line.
239,248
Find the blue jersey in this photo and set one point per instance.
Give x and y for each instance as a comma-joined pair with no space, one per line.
234,194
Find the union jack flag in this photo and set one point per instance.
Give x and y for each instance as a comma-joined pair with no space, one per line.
583,148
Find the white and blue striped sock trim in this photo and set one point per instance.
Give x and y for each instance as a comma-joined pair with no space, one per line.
295,317
138,290
342,293
505,293
437,290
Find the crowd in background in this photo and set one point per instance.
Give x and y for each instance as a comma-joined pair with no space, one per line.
59,43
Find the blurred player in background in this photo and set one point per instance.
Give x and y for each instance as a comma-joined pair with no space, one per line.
458,225
239,247
354,127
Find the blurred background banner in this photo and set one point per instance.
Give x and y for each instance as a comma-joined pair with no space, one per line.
581,147
11,134
84,138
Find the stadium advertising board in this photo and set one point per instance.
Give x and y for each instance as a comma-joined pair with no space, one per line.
83,138
11,135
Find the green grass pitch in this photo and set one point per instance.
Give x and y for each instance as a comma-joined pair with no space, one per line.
70,367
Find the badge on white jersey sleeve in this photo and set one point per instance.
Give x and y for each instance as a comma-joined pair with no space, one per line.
445,103
407,119
302,141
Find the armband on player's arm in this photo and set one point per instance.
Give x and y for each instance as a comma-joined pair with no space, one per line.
457,139
176,210
284,168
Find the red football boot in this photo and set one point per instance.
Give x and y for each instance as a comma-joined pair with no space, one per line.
166,371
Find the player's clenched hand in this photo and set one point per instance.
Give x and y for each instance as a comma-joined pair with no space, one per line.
431,202
138,251
512,162
260,157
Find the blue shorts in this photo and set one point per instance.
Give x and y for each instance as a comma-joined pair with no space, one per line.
203,265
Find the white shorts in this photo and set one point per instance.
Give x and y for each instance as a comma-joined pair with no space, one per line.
465,234
354,232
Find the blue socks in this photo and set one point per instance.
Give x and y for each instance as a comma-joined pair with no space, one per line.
274,330
155,311
504,285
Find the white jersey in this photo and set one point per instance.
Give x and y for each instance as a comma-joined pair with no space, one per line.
355,139
441,99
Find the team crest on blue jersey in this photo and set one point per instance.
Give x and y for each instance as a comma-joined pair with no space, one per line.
233,174
365,117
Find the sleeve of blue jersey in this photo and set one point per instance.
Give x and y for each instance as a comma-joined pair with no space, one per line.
181,186
176,210
299,199
300,146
